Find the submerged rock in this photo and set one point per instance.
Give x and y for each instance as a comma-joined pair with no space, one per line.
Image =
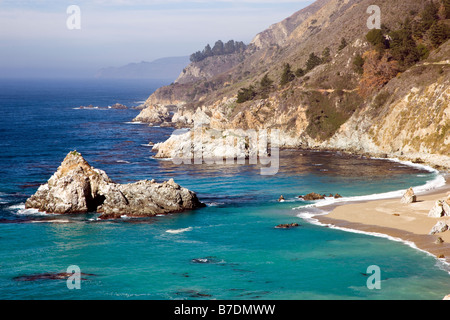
287,226
49,276
409,197
77,187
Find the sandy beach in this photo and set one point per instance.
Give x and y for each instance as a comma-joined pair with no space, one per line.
409,222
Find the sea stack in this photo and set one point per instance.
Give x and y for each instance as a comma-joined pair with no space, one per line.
76,187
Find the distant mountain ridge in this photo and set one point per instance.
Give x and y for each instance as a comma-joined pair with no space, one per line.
164,68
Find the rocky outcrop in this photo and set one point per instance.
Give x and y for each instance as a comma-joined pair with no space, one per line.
312,197
154,114
441,208
209,144
409,197
146,199
440,227
76,187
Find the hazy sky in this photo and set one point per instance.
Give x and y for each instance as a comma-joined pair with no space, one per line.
35,39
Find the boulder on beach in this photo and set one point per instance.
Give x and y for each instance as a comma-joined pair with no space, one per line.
438,210
409,197
76,187
440,227
446,207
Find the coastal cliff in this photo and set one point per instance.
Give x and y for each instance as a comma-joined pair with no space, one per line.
344,90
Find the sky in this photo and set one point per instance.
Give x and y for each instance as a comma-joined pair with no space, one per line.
36,41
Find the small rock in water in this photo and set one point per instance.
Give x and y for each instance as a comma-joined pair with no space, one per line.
312,197
281,199
206,260
48,276
287,226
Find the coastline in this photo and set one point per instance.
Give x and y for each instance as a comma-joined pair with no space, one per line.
388,218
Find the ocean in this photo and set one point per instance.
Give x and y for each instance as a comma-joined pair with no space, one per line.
229,250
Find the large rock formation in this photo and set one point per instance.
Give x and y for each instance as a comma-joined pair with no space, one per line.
77,187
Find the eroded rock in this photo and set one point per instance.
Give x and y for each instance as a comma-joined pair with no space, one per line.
440,227
77,187
409,197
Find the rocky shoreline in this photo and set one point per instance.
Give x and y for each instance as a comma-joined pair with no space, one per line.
77,188
218,120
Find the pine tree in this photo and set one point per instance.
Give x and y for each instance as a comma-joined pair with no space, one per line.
299,72
439,33
218,48
229,47
313,61
326,55
358,64
375,37
287,75
403,47
446,8
246,94
429,15
207,52
344,44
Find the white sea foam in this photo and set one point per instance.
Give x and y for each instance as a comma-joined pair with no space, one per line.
178,231
215,204
53,221
437,182
19,209
123,161
2,201
163,159
134,122
314,210
309,216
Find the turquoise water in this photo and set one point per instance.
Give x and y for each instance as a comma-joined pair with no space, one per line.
228,250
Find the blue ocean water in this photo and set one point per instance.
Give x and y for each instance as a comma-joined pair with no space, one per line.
228,250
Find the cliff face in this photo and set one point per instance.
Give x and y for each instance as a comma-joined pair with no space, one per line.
406,116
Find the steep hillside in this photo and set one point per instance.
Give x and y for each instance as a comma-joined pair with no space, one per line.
325,81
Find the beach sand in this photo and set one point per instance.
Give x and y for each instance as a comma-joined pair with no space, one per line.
409,222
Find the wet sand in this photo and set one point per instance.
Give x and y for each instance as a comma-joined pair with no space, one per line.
409,222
